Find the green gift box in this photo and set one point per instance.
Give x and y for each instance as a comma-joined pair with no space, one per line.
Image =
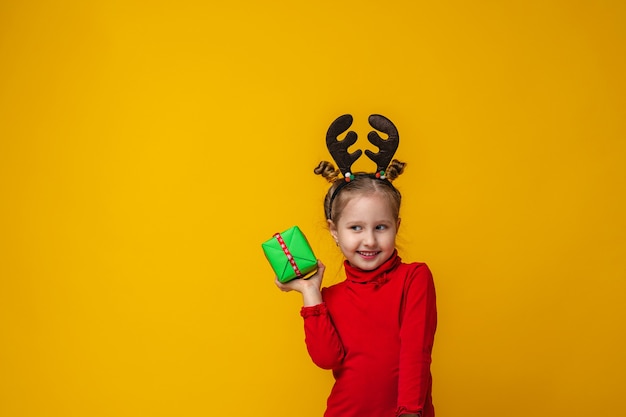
290,254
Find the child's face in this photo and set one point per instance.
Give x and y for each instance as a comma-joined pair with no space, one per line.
366,231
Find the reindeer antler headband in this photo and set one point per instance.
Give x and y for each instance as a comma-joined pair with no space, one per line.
339,148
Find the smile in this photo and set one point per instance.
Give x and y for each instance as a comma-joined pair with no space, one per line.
368,254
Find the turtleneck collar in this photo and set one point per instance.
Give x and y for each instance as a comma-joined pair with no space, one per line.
377,276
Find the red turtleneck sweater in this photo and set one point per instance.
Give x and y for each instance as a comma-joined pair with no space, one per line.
375,330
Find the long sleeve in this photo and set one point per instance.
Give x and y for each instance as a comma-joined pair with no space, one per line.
321,337
418,322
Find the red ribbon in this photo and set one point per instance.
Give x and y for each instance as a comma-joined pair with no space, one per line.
287,253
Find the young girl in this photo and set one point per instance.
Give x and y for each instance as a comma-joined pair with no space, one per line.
375,330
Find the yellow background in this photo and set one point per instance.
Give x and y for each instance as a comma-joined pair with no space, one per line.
148,148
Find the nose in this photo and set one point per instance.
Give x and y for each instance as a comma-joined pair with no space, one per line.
369,239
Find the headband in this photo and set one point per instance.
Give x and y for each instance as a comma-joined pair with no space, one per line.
339,148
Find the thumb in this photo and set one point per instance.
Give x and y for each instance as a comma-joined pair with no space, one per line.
320,266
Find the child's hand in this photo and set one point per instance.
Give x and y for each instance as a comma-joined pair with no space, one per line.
309,288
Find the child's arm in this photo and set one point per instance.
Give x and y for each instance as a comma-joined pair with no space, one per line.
322,341
417,332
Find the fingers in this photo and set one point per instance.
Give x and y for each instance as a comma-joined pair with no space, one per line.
281,286
293,285
320,269
301,285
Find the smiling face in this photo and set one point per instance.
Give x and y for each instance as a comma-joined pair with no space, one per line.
366,230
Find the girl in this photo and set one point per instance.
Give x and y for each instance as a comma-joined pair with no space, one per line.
375,330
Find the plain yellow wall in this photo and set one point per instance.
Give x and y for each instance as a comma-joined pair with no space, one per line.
147,148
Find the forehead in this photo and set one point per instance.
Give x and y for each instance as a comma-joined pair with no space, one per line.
375,207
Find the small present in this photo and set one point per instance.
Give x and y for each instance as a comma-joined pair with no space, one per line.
290,254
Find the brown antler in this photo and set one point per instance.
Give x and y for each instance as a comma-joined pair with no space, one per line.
386,147
339,148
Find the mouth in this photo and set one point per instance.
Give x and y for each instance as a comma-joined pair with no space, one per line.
368,254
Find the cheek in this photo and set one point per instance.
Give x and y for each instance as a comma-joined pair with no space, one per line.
348,241
391,241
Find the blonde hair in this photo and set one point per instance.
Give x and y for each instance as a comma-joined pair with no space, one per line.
362,184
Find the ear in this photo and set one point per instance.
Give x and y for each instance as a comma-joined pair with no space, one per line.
333,229
398,224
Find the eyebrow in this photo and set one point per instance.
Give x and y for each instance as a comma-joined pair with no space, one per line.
356,222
